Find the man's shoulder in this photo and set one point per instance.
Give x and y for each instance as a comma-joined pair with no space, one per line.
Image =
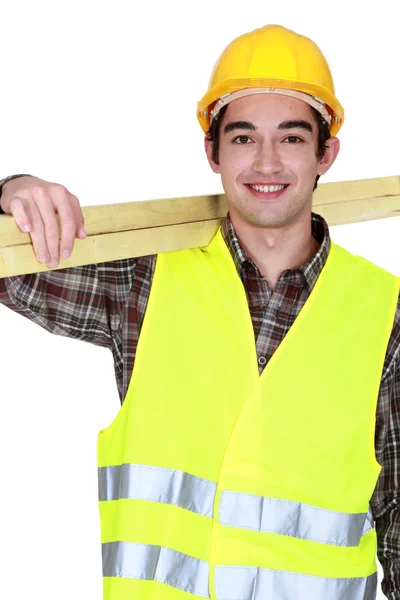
364,262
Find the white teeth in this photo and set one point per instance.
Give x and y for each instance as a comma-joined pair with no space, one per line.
267,188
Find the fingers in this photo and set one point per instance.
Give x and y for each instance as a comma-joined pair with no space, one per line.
70,220
34,203
80,219
17,209
45,232
37,233
27,214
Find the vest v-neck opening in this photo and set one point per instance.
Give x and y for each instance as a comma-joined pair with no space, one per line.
259,378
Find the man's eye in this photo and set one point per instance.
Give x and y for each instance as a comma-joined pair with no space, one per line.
242,139
293,139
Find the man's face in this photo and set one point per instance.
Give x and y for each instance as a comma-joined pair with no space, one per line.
269,140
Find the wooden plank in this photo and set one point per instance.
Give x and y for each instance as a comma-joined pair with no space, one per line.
119,231
357,211
113,246
114,218
343,191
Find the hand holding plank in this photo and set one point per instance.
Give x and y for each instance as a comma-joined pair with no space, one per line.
34,203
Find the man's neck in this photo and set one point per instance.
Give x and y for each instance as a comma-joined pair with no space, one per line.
277,250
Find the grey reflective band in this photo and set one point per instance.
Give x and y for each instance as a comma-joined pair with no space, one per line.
156,484
293,518
156,563
245,511
141,561
251,583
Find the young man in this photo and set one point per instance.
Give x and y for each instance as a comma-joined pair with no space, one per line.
252,457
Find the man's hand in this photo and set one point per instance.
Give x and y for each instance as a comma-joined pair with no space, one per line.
34,203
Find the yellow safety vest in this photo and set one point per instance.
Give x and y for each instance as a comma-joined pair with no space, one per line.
216,482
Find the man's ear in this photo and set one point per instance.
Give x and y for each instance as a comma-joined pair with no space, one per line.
208,148
333,147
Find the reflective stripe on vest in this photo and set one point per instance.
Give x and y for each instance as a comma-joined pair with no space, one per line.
251,583
293,518
246,511
157,485
141,561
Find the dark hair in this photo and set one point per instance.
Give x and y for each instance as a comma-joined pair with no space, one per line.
323,135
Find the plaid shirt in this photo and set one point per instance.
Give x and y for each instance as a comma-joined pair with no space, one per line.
105,304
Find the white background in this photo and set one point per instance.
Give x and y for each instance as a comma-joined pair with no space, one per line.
101,97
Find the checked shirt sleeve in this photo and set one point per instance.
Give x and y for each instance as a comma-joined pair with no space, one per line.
386,498
79,302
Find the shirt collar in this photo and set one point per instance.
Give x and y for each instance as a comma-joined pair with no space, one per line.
311,269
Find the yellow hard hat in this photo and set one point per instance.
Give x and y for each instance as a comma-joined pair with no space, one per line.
279,60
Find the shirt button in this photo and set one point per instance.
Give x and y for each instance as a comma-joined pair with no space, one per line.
262,360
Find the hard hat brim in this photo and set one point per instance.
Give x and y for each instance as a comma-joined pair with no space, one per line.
205,105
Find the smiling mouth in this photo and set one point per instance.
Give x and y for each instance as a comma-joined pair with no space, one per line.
267,189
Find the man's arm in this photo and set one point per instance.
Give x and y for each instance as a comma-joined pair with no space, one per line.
386,498
77,302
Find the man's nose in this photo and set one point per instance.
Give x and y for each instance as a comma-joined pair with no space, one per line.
267,159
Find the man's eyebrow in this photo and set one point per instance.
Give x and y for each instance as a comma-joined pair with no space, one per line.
239,125
294,124
298,124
